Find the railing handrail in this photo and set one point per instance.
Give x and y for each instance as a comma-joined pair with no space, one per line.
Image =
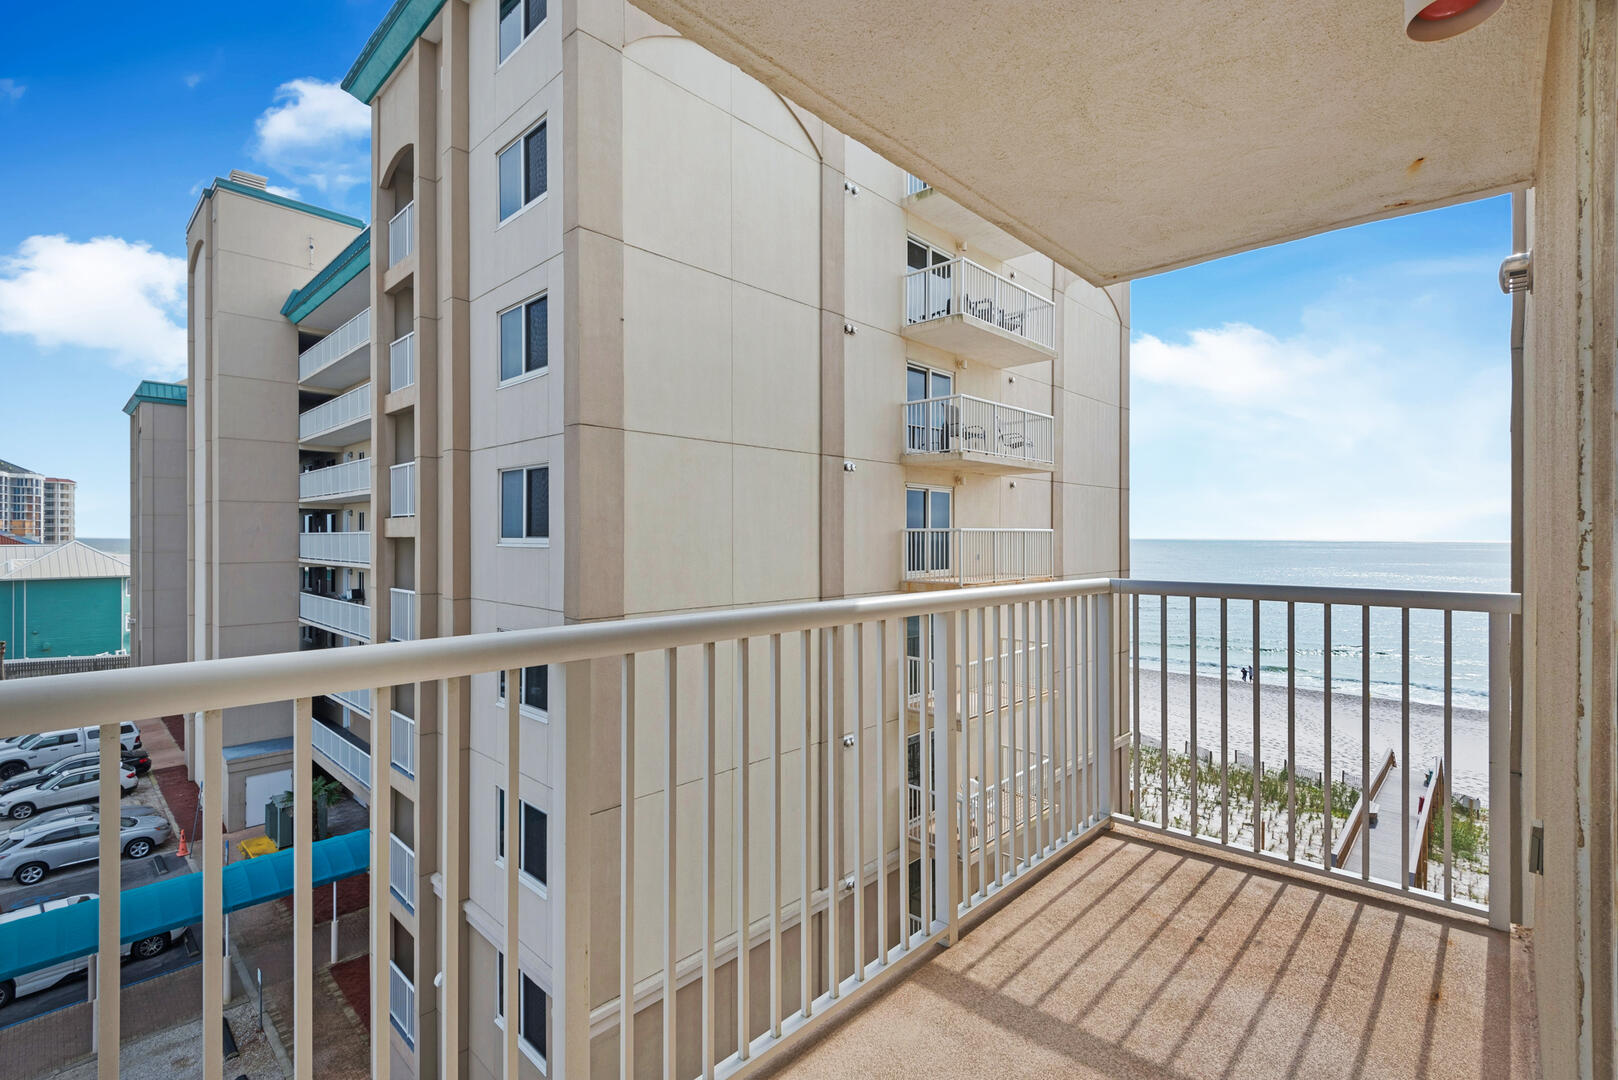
310,360
403,210
964,261
329,413
1417,599
947,398
359,466
975,529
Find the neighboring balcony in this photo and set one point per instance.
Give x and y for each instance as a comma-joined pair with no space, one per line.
984,436
402,615
963,308
402,490
343,482
343,750
404,743
402,872
402,1003
341,358
952,557
339,421
401,234
979,234
402,363
339,616
335,548
358,700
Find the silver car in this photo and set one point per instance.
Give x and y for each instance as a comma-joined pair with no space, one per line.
44,978
33,850
64,789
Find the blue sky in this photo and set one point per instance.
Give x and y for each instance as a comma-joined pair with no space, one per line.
1353,385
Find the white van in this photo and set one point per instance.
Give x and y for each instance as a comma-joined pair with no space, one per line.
48,747
47,977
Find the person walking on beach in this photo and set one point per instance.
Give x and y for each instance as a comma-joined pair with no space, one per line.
1245,670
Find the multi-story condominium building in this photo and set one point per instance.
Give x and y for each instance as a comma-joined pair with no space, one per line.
36,507
157,523
58,510
676,346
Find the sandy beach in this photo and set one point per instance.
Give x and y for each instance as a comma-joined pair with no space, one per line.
1469,727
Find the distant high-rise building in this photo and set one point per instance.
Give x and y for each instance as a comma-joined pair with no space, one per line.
34,506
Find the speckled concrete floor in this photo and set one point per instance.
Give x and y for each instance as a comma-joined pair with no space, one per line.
1135,960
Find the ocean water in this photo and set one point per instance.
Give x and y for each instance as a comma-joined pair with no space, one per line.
1470,567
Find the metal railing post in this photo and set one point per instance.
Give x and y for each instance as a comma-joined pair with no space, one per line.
1502,873
1105,721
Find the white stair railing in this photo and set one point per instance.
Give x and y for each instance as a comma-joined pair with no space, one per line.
352,759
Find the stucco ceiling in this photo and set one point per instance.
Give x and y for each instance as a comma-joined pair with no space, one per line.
1125,138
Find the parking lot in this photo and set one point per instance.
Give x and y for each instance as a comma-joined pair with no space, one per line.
85,878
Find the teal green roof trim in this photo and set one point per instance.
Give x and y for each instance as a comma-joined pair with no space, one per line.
159,393
171,903
339,272
400,28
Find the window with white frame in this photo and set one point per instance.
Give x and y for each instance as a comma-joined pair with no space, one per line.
523,175
534,842
525,339
535,690
531,1021
518,19
525,505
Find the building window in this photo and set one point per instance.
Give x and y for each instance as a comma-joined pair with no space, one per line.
499,987
536,691
525,339
522,172
518,19
535,826
499,824
531,1021
525,504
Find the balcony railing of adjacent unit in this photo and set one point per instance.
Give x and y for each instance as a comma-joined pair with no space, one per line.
352,758
340,342
402,871
358,700
962,287
402,1003
402,362
1012,672
977,556
339,616
333,414
404,743
826,829
402,614
960,424
335,548
336,481
401,234
402,490
914,185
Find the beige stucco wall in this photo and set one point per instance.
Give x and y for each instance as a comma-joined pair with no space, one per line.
157,530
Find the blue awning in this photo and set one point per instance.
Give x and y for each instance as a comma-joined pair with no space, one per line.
173,903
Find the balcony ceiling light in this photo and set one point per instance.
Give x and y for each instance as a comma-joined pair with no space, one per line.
1435,20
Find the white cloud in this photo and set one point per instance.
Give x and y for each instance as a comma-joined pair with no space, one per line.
317,136
11,89
106,294
284,192
194,79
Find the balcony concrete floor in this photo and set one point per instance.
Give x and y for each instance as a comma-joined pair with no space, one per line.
1145,960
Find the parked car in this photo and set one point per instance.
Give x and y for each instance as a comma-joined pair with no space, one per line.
45,978
64,789
135,759
33,850
48,747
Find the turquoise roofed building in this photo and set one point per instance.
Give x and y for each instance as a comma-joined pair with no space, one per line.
63,600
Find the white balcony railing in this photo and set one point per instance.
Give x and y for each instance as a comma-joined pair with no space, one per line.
915,185
335,548
352,759
404,743
402,490
401,234
402,1003
1057,755
402,362
961,424
402,614
339,616
358,700
402,871
962,287
335,345
346,478
977,556
338,412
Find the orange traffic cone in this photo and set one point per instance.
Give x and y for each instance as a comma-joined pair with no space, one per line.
184,849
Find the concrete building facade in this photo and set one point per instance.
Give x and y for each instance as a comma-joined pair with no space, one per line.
628,334
157,523
36,507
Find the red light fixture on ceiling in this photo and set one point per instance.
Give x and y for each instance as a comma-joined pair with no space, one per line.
1435,20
